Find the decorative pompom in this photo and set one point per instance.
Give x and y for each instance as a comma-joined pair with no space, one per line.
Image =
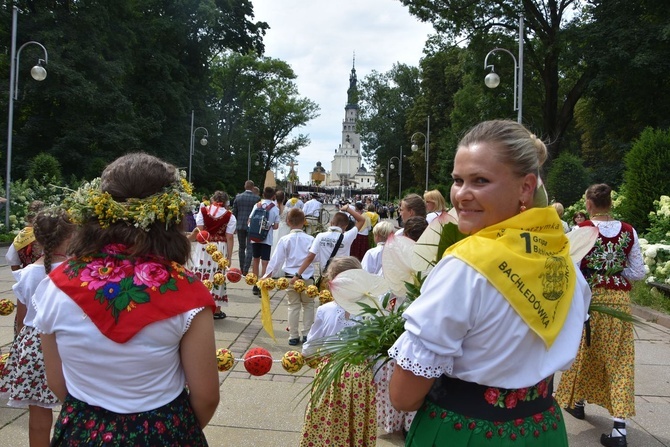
3,360
202,236
6,307
210,248
223,263
282,283
299,286
224,359
217,256
209,284
257,361
219,279
292,361
312,291
251,279
234,274
325,296
267,284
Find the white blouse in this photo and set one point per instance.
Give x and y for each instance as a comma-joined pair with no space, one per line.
330,319
139,375
463,327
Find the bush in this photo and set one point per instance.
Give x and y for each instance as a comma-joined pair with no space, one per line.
646,176
567,179
23,192
45,167
659,221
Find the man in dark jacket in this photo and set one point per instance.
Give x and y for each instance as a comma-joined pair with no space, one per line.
244,203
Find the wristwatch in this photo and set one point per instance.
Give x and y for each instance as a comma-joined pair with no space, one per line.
298,275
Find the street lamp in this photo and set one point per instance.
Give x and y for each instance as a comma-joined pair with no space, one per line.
387,181
426,139
39,73
203,142
389,166
492,80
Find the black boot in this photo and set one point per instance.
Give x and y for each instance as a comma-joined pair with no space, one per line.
615,441
577,411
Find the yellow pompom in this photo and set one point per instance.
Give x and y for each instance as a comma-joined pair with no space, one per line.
282,283
325,296
217,256
219,278
267,284
3,361
223,263
299,286
6,306
224,359
209,284
312,291
292,361
210,248
251,279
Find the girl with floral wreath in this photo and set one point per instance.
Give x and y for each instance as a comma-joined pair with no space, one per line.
219,223
124,325
500,313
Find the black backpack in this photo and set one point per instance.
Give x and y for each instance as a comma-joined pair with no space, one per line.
259,223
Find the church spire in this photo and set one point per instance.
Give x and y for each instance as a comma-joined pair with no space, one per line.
352,92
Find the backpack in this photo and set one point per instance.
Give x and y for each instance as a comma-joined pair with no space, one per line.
259,223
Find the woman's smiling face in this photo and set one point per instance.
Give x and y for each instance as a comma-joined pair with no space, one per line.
485,190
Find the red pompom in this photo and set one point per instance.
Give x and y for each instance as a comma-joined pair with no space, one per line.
234,274
202,236
257,361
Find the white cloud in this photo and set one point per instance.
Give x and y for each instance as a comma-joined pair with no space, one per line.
317,38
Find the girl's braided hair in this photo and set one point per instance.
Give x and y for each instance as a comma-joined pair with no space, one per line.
52,227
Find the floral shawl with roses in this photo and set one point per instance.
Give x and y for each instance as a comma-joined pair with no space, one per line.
123,294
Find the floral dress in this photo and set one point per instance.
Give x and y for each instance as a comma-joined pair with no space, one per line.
604,370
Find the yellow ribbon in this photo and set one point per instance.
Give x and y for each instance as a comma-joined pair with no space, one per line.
527,259
266,313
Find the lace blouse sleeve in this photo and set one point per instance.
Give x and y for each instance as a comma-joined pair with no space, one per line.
438,321
634,270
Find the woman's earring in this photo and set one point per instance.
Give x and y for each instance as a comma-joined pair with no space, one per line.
522,208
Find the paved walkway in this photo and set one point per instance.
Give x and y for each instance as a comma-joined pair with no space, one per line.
268,410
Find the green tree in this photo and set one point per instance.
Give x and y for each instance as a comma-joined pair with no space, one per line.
567,179
646,176
45,166
259,109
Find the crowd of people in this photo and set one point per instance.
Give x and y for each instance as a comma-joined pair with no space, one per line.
495,318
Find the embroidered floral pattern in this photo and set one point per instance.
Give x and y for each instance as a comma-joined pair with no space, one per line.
607,260
505,398
121,282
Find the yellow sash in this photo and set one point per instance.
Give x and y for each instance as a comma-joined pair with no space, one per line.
24,238
527,259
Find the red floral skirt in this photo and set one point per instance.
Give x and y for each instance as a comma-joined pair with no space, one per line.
173,424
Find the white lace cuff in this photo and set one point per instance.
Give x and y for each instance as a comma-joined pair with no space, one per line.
411,355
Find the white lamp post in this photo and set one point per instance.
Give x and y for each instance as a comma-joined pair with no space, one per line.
203,142
415,147
492,80
39,73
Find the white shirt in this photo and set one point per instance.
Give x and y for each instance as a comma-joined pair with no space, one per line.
463,327
367,226
27,280
329,320
324,243
218,212
372,260
312,208
140,375
273,218
432,216
298,203
290,253
12,256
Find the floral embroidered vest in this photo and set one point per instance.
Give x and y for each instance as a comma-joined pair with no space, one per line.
603,265
215,225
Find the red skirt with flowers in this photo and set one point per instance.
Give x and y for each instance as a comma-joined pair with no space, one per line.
173,424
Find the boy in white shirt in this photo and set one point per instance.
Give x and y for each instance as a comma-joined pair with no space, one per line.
291,251
323,247
372,261
261,250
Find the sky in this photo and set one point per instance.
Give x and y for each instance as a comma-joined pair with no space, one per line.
318,39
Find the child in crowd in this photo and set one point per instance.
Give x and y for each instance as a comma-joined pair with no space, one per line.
372,261
346,414
23,250
24,380
414,227
261,250
291,251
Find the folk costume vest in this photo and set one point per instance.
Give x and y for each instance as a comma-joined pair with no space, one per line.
603,265
216,226
527,259
123,294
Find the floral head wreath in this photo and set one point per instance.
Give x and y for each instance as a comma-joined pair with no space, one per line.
167,206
